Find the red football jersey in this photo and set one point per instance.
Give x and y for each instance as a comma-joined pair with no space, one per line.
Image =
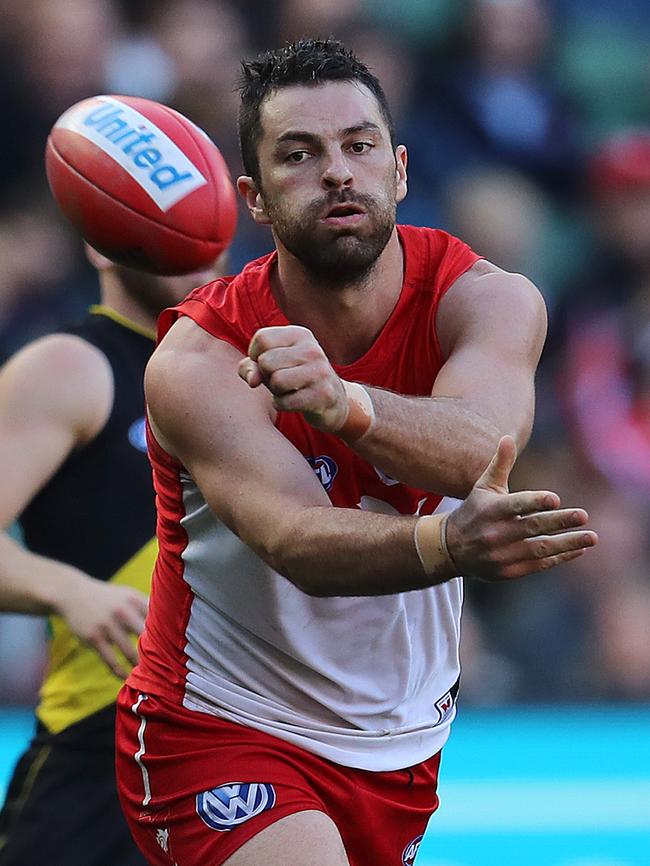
209,644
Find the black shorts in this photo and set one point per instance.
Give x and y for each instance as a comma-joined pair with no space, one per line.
62,805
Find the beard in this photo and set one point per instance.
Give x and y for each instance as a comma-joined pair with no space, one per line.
345,256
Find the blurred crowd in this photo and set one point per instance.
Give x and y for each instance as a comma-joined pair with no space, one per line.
528,128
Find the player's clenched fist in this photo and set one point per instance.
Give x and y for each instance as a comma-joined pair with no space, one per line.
499,535
295,369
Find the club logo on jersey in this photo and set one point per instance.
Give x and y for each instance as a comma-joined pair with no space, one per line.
138,435
445,705
143,150
411,850
228,806
325,469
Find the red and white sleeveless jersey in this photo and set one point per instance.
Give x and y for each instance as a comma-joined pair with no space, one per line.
365,682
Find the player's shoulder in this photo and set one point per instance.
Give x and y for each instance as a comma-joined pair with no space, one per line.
497,285
231,308
436,240
59,357
494,302
191,384
186,352
253,278
61,376
434,258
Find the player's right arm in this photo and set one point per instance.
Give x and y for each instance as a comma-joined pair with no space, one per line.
263,489
55,396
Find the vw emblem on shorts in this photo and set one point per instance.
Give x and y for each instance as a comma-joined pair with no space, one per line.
228,806
411,850
325,469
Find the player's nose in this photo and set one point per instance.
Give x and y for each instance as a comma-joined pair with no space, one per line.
336,170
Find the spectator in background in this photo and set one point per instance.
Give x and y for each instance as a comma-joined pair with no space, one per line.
323,18
203,41
605,386
601,56
595,440
42,281
501,212
606,355
56,54
497,103
596,447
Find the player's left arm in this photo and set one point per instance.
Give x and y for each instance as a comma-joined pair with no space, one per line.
491,327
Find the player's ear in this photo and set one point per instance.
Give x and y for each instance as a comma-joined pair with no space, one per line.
401,160
253,198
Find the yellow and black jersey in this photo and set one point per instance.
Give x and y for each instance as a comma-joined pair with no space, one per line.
98,514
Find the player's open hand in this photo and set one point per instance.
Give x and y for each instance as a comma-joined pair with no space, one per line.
105,617
497,535
289,361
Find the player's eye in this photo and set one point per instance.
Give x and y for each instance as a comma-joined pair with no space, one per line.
297,156
360,146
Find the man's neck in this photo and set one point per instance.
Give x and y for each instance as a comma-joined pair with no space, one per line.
345,319
114,296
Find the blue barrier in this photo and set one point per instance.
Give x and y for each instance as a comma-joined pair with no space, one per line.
552,786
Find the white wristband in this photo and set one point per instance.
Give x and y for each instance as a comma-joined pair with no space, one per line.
430,536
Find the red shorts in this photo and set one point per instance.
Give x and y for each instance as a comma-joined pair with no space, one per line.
194,788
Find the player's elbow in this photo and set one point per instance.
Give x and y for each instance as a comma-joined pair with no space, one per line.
287,551
299,571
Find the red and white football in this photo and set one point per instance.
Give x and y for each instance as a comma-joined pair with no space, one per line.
142,184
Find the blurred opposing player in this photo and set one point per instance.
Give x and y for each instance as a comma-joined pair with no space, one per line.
307,417
76,476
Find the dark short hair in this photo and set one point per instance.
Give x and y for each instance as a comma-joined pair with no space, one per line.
306,61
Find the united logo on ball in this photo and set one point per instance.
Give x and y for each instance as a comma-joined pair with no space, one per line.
143,184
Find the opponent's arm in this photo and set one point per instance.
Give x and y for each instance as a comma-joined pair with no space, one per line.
261,487
55,396
491,326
